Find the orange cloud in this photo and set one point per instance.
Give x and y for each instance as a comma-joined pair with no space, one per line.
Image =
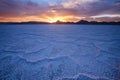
63,10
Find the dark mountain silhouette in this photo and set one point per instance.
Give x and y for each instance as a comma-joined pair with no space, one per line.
30,22
97,23
81,22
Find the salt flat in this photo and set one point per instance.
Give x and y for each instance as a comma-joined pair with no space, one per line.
59,52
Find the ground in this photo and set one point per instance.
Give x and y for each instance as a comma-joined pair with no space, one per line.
59,52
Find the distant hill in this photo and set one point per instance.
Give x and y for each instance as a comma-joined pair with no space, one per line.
97,23
81,22
31,22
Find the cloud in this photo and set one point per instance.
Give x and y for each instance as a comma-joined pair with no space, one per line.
45,10
76,3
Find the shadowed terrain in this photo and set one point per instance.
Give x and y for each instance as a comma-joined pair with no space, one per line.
59,52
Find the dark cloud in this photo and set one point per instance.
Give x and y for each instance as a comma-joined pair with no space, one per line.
18,8
81,8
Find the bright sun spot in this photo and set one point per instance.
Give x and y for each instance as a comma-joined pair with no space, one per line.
55,19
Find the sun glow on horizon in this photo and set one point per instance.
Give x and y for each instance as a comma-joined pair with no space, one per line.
55,19
63,19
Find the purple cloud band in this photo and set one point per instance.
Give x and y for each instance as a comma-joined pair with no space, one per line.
78,8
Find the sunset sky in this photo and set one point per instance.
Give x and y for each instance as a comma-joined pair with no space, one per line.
63,10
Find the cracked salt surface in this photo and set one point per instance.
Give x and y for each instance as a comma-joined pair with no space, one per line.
59,52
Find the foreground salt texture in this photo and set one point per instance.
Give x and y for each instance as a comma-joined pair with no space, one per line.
59,52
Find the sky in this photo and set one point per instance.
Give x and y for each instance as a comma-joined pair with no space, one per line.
63,10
